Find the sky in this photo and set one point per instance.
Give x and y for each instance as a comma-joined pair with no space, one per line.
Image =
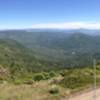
49,14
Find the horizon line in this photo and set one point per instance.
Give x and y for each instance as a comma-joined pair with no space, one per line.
67,25
59,26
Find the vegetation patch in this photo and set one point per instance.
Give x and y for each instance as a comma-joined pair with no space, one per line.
38,77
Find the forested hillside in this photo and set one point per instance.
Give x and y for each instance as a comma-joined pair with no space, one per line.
35,51
18,59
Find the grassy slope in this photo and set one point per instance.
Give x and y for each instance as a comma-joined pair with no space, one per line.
40,90
80,78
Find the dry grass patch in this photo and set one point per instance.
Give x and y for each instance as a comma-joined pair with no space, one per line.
36,91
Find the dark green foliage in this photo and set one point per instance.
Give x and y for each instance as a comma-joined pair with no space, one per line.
44,75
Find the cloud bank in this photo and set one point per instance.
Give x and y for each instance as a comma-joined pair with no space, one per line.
69,25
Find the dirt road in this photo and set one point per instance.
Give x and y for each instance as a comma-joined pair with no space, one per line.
86,96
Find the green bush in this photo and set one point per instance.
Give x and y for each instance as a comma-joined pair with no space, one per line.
46,75
39,77
52,74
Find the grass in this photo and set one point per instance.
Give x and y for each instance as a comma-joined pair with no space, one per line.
36,91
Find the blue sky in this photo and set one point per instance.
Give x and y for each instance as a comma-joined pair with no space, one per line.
55,13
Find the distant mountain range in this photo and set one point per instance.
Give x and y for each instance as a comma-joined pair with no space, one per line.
81,30
54,38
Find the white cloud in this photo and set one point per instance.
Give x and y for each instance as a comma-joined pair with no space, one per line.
69,25
10,27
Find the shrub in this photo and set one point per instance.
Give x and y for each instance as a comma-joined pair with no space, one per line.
54,90
46,75
52,74
76,81
39,77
